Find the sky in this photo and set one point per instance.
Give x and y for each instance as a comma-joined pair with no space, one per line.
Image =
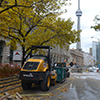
89,8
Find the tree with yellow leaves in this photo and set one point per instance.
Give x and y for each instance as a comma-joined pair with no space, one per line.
35,22
97,23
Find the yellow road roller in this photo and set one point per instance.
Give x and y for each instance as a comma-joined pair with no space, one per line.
37,70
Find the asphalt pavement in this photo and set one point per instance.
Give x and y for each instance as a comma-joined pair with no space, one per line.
79,86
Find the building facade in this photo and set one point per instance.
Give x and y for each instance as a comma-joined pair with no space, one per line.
6,55
96,50
57,55
4,51
76,56
89,60
82,58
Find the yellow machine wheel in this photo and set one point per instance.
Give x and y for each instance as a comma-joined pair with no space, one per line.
25,85
45,84
48,83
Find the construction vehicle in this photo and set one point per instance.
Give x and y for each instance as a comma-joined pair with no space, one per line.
37,70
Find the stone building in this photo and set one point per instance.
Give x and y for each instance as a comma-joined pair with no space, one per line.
4,51
76,56
57,55
81,58
89,60
6,55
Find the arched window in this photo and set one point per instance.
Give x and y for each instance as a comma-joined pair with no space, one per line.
60,59
57,58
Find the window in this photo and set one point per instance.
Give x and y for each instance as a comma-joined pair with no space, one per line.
57,58
54,58
60,58
31,65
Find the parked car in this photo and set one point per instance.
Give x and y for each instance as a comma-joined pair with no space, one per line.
93,69
76,69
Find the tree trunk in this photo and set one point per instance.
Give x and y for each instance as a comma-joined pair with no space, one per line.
23,55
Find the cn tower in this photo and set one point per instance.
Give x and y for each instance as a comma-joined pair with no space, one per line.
78,14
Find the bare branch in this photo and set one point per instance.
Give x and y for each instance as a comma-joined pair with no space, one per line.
16,5
5,36
56,35
36,24
48,39
15,2
13,6
1,2
27,49
7,8
19,31
14,36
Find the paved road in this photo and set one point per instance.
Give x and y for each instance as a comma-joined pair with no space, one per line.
80,86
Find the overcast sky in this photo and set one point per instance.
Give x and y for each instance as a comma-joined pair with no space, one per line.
89,8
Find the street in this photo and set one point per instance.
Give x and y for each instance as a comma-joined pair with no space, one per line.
80,86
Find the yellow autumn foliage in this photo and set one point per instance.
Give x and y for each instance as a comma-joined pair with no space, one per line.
36,22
